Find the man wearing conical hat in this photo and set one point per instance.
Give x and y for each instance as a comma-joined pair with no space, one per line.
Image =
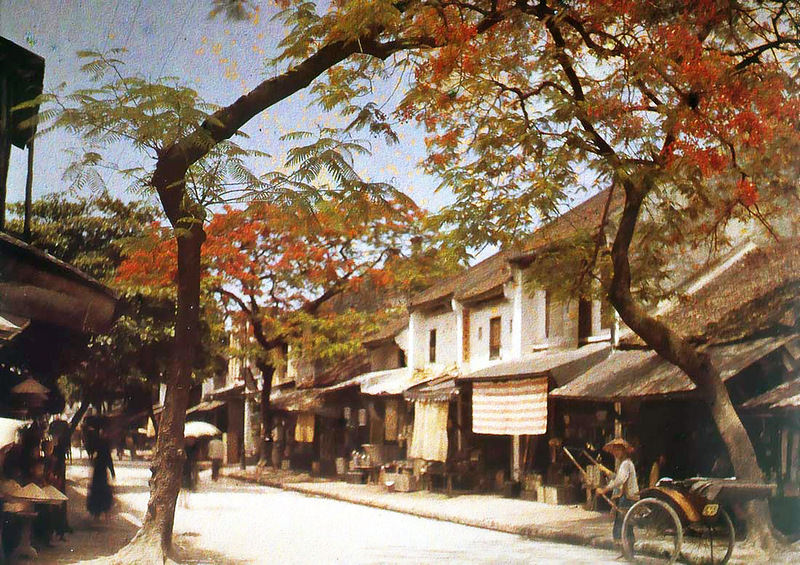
624,485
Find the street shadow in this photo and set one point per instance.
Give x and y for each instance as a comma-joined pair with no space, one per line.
95,539
130,489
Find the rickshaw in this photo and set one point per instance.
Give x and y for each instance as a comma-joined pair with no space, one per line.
686,519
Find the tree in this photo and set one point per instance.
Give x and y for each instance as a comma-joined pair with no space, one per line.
285,275
686,111
196,165
93,234
516,44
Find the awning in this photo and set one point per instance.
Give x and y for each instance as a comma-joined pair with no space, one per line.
39,287
206,406
392,381
11,325
513,407
296,400
562,365
397,381
236,390
782,397
440,389
643,373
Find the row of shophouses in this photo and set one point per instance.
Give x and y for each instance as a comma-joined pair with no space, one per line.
484,380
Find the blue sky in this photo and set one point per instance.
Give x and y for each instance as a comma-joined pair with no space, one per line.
220,59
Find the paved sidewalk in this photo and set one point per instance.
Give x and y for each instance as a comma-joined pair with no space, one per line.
558,523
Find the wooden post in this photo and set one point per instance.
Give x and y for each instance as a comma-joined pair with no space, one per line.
459,423
26,231
5,146
515,463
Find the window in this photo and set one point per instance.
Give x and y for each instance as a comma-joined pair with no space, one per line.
465,336
584,320
495,329
432,346
546,313
401,358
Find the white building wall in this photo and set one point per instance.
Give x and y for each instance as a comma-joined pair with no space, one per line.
563,324
530,308
480,315
401,340
446,338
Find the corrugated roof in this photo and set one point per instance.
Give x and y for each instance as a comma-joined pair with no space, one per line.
440,389
786,396
642,373
563,364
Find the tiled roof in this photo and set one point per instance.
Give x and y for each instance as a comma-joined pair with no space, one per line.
388,330
495,270
785,396
750,296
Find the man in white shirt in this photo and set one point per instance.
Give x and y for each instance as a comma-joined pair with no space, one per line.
624,485
216,451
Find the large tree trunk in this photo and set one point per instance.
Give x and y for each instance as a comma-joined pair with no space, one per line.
696,364
77,417
154,540
265,455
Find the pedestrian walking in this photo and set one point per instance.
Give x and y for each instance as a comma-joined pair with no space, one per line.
190,465
215,453
624,486
101,497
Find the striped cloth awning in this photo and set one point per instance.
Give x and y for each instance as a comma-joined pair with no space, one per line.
513,407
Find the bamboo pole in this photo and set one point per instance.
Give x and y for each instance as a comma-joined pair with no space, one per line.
26,231
600,466
586,476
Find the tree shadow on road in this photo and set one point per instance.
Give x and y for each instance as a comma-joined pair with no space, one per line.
95,540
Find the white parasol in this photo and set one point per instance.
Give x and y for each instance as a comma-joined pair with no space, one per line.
200,429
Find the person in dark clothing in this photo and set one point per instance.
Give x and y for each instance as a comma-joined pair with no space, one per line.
57,476
190,465
100,496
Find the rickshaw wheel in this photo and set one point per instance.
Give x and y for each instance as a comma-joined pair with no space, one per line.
651,532
710,543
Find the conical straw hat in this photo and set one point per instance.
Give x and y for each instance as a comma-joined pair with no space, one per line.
54,494
31,491
30,386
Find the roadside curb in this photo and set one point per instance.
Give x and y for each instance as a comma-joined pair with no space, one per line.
533,532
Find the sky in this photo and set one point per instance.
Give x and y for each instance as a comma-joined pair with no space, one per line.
220,59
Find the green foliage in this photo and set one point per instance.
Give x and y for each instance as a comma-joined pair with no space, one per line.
93,234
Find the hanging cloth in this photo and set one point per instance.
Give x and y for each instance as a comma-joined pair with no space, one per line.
429,438
304,428
391,421
514,407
